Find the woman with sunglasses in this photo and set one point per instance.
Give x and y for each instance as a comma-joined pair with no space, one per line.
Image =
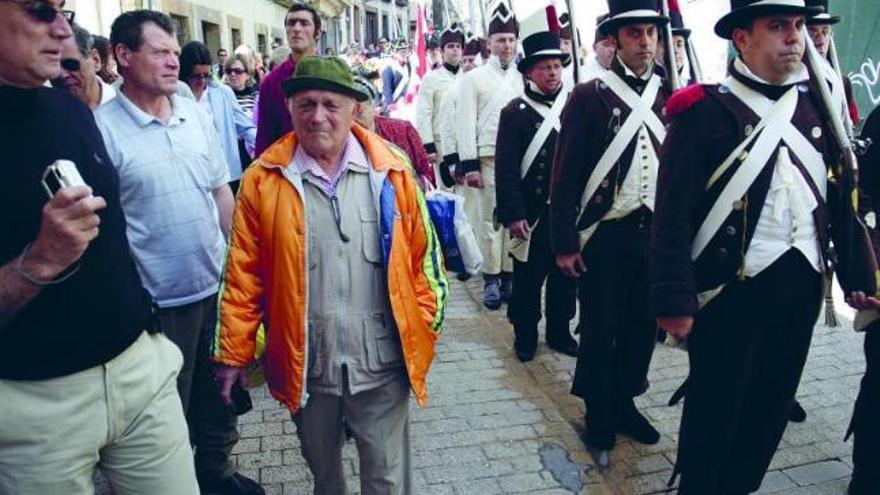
219,101
240,77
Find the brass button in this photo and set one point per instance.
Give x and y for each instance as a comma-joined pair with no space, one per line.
748,129
730,230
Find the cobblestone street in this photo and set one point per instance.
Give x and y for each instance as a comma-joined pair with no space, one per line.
495,425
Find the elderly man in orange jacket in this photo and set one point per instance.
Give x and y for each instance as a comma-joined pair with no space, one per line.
332,249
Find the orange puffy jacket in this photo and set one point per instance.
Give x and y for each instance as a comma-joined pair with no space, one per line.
265,279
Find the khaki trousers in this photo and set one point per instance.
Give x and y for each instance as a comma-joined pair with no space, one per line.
379,422
212,425
124,415
492,237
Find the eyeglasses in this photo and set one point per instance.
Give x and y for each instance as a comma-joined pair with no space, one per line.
199,77
71,64
237,72
44,12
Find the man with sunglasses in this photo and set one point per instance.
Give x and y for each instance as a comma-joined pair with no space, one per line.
81,380
80,64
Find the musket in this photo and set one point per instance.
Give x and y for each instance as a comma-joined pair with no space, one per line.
669,49
575,41
855,232
835,64
694,62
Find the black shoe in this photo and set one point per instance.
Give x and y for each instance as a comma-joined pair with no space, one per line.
506,286
237,484
463,276
632,423
797,413
599,438
568,346
524,355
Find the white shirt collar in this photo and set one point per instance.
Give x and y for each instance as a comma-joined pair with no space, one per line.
797,77
629,72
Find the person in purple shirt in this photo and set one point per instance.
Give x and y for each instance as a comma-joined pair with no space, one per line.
303,27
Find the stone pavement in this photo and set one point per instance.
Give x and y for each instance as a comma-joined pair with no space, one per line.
497,426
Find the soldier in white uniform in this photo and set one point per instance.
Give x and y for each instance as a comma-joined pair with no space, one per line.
482,95
604,50
434,87
448,147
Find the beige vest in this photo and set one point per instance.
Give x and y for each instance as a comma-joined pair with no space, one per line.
350,321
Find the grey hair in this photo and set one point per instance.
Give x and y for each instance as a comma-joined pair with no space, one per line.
84,40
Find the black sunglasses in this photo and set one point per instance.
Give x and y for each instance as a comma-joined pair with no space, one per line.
70,64
44,12
199,77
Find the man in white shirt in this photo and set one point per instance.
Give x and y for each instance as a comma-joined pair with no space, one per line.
434,87
604,50
80,64
481,96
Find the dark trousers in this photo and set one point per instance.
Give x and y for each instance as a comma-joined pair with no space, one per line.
747,351
618,331
866,420
212,424
524,309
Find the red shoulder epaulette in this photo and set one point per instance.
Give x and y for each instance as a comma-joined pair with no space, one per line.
683,99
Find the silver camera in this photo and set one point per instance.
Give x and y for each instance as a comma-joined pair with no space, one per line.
61,173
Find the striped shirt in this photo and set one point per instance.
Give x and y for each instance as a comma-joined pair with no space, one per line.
247,98
353,156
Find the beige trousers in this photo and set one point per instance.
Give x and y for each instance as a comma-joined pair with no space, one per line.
124,415
379,422
492,237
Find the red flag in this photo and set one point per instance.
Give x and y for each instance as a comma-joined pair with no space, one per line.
421,42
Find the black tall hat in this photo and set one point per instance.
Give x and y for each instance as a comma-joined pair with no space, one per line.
541,31
502,19
744,11
472,46
565,31
823,17
677,22
452,34
624,12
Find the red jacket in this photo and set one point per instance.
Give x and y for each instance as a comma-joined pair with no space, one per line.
403,135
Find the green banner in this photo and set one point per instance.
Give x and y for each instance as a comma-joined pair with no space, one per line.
858,45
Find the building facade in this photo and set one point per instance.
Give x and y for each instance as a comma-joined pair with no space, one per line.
221,23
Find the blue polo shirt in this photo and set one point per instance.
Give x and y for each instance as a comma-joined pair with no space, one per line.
167,172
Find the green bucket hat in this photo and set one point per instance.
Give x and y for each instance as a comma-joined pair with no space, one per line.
324,73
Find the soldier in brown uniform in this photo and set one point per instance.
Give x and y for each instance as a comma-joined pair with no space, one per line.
740,242
865,426
601,198
524,151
